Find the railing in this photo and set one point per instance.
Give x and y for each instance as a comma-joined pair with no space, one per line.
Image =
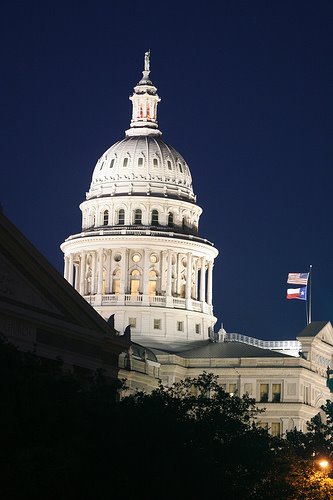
179,303
154,301
109,299
157,300
276,345
133,298
196,306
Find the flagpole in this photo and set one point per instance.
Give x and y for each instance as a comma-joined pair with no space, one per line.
310,295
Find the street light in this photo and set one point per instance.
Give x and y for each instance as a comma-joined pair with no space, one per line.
323,463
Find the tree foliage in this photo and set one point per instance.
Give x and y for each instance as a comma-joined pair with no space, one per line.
67,437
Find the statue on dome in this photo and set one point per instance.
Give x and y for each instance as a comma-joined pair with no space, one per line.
147,61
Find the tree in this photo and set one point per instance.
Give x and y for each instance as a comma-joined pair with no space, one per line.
207,438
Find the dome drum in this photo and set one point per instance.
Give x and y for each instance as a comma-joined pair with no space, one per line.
112,276
137,213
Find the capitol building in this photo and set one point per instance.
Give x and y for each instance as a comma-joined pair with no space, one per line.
143,265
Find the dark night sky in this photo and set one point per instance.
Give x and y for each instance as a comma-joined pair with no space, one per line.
246,90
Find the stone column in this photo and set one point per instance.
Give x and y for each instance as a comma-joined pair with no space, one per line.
145,277
210,283
108,271
100,272
77,280
123,274
70,270
145,273
188,276
163,270
195,287
82,272
203,280
178,275
169,280
66,268
93,272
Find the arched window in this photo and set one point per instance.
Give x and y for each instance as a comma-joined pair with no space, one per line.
170,220
125,162
180,167
121,217
112,163
152,285
155,162
106,218
138,216
154,218
135,282
169,165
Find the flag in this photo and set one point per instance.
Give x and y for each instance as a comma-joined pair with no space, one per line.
298,278
297,293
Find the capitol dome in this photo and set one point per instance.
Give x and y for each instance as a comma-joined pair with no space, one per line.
139,255
142,165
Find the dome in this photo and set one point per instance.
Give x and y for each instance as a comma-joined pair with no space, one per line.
142,165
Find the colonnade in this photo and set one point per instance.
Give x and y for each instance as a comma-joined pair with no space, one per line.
162,273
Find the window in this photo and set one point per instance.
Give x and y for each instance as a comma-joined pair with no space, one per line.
106,218
180,167
121,217
276,429
197,328
132,322
155,162
135,282
112,163
136,257
232,389
101,165
180,326
263,393
169,165
125,162
140,161
152,283
138,216
170,220
157,324
276,393
154,218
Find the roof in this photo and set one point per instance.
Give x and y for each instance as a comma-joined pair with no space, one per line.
143,352
32,290
138,165
313,329
209,349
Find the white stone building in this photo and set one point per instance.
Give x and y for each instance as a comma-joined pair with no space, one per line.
139,255
139,258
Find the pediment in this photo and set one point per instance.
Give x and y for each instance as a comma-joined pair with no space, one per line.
326,334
